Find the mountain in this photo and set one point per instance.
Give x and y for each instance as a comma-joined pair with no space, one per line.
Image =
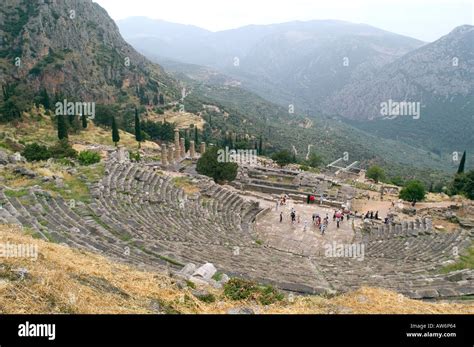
344,70
244,112
439,76
294,62
75,49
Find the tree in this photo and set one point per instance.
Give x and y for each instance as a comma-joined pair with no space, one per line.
462,163
196,136
209,165
282,158
376,173
469,186
16,100
413,191
62,149
187,143
88,157
314,160
84,121
62,128
397,180
463,183
44,99
115,132
260,146
138,129
162,99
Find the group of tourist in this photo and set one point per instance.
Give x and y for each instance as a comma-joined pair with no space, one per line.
371,215
318,221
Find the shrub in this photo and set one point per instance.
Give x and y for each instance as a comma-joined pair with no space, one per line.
88,157
208,298
304,168
135,156
239,289
36,152
217,276
190,284
269,295
62,149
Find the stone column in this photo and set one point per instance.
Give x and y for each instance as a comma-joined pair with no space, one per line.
176,138
164,155
182,148
203,148
192,150
177,156
171,155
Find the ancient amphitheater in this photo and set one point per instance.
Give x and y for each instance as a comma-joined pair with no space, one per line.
138,214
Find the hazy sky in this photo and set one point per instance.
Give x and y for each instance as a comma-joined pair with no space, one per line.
426,20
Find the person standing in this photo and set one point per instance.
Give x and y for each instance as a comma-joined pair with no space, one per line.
323,228
281,217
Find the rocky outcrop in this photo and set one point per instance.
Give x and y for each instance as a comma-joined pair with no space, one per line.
75,49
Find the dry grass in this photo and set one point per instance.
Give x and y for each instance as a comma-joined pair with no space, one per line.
38,127
98,135
186,185
66,280
183,120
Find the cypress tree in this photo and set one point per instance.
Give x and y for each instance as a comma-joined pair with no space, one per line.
115,132
84,121
62,127
196,137
162,99
44,99
138,129
462,163
260,146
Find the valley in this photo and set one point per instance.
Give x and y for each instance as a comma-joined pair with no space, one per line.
119,163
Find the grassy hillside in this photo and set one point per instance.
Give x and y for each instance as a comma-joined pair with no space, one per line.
66,280
36,126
